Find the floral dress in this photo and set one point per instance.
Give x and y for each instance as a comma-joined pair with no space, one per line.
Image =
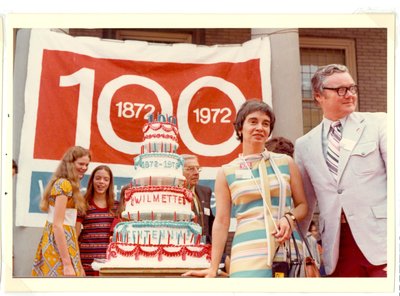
47,261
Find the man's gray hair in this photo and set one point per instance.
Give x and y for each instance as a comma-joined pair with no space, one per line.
319,77
188,156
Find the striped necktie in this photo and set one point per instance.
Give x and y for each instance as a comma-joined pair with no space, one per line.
332,155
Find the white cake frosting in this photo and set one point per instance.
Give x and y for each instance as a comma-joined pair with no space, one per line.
158,203
160,137
158,232
158,169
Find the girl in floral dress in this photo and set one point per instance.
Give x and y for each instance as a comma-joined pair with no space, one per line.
58,251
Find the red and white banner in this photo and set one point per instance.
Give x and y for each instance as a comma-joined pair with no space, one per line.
99,93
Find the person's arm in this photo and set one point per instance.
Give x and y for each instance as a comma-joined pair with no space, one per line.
313,244
59,235
286,224
308,189
78,228
222,220
298,195
220,226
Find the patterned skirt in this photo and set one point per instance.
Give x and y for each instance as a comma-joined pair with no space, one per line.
48,262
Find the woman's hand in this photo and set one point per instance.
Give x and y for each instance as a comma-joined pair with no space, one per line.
69,270
208,273
284,230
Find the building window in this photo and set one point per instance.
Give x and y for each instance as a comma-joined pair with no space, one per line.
195,36
151,36
316,52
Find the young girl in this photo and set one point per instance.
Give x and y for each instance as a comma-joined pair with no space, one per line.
58,252
94,227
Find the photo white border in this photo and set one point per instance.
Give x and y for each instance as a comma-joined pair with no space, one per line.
192,20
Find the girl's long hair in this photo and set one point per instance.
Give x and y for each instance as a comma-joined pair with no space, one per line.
110,195
66,170
121,205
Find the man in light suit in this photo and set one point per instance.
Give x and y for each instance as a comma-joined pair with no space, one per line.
201,194
348,183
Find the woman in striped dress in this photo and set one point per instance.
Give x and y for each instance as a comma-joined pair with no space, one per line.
94,228
262,224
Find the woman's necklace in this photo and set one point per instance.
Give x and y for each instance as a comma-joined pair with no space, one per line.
247,161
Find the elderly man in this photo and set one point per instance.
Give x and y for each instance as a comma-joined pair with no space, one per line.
343,165
202,194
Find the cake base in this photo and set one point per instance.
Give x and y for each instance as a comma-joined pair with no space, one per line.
144,272
147,272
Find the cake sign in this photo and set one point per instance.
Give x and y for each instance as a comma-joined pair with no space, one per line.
157,198
162,118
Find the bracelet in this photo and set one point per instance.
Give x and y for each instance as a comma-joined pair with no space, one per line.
290,214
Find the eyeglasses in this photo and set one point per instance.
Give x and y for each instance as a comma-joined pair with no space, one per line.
341,91
193,168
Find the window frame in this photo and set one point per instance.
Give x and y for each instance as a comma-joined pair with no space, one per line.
349,48
194,36
348,45
151,36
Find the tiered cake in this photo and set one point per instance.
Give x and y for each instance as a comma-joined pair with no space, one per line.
158,231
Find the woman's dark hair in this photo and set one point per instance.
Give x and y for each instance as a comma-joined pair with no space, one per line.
249,107
312,224
110,196
280,145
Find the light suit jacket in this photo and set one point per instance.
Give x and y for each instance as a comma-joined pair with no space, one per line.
361,190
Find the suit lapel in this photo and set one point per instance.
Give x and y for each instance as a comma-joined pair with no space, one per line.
199,197
352,132
198,192
316,153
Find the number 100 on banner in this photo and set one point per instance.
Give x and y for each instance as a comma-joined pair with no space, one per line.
103,103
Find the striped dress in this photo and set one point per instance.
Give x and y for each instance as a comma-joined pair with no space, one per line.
95,235
251,246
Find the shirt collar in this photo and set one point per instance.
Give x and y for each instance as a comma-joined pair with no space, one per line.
327,124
